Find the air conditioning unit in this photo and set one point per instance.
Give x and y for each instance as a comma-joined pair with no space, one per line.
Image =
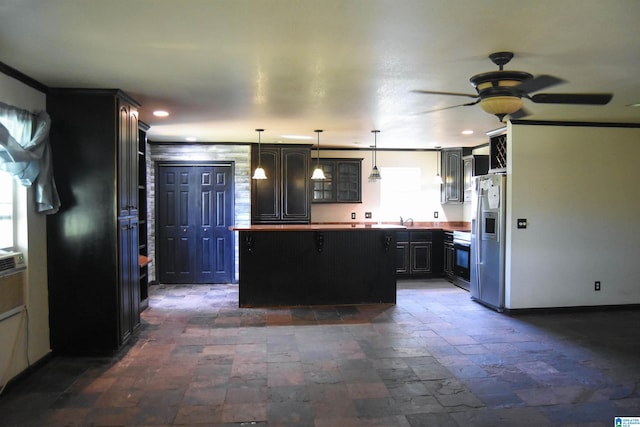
12,267
11,262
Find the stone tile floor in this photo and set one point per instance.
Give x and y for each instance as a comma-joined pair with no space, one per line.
434,359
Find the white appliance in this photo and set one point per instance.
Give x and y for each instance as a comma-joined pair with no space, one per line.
488,235
12,268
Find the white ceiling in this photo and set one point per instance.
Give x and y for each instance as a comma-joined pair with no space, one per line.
225,67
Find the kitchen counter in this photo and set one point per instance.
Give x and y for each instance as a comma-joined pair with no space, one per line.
446,226
317,264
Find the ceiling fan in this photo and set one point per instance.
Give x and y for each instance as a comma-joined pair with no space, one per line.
501,92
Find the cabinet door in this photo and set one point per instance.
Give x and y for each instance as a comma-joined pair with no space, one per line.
452,176
296,202
420,257
467,178
448,259
349,176
128,273
132,176
127,160
265,193
402,258
124,160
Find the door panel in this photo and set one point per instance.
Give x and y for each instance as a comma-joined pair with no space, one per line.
194,238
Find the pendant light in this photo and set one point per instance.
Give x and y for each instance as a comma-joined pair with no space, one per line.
438,178
375,173
318,173
259,172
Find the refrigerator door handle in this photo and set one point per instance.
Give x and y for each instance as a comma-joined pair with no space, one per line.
478,239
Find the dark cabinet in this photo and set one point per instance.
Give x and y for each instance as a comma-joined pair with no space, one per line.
342,183
473,165
448,254
129,277
451,190
498,150
415,252
93,241
284,197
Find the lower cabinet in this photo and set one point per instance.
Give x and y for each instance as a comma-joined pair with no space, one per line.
415,253
448,254
129,275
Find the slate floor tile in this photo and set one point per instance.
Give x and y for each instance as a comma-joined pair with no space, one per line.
435,358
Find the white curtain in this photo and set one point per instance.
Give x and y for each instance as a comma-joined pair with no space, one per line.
26,154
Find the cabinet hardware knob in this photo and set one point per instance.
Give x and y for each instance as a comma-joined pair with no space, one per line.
206,229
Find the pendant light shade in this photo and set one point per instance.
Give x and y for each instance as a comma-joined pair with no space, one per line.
259,172
375,173
318,173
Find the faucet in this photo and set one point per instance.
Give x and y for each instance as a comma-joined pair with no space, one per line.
403,221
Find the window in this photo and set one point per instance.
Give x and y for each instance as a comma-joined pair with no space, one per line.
6,210
400,192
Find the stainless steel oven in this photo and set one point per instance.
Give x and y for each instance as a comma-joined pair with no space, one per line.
462,255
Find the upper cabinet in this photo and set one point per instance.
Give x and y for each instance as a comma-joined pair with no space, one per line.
284,197
498,150
342,183
451,190
127,159
473,165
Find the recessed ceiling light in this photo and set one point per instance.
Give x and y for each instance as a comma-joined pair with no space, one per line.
467,132
191,139
161,113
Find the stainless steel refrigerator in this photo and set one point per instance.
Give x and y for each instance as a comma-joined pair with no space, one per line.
488,237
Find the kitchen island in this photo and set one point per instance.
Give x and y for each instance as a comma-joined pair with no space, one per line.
316,264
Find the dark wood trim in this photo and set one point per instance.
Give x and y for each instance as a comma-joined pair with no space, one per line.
80,91
23,78
585,124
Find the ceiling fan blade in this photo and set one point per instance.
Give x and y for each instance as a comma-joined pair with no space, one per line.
448,108
519,114
434,92
572,98
537,83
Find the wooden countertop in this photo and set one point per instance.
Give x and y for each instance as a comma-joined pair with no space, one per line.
450,226
315,227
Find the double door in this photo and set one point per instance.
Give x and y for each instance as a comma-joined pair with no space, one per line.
195,210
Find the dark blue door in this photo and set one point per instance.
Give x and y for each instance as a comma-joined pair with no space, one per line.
195,210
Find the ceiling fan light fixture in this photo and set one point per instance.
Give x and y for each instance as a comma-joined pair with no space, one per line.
501,105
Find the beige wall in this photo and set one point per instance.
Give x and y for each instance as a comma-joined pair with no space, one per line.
578,189
32,240
427,200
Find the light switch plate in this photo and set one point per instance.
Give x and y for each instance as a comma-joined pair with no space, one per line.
522,223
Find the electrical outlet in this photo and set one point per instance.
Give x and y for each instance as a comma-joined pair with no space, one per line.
353,215
367,215
522,223
596,286
435,214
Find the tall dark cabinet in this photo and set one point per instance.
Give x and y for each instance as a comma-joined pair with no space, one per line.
285,196
93,241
